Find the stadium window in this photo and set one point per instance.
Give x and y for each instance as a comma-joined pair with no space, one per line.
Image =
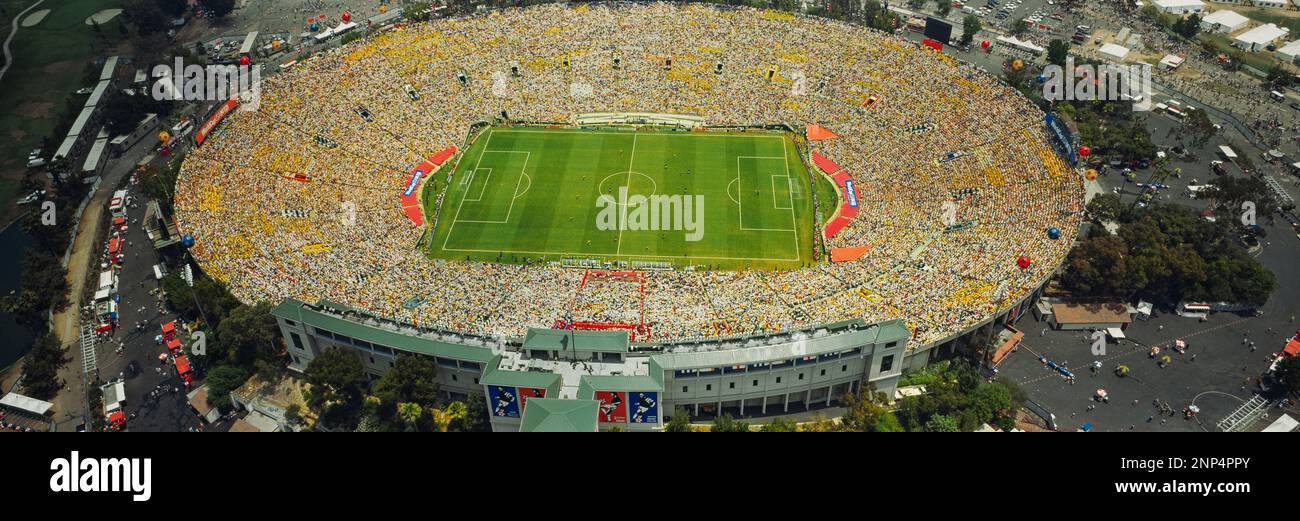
778,379
290,322
372,359
891,344
755,383
685,389
731,385
823,373
297,341
476,381
844,368
390,364
886,363
453,378
801,376
708,387
445,362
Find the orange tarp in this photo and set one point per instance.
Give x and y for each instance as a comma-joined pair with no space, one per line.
1292,348
818,133
849,254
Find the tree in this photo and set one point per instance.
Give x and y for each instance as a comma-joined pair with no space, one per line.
941,423
173,8
475,419
41,367
44,285
864,414
1288,374
1199,125
220,8
1278,76
1190,26
970,26
724,423
336,380
944,7
146,15
1099,267
781,424
679,422
249,333
1019,26
410,414
412,379
221,381
1105,207
1057,51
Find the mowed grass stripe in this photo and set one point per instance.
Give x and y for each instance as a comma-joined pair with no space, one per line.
568,170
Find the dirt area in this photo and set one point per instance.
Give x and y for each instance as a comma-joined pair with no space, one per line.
63,67
35,109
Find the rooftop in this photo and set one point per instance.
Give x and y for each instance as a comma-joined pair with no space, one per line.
554,415
1108,313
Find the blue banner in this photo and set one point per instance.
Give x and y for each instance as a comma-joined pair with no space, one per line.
853,194
504,401
645,407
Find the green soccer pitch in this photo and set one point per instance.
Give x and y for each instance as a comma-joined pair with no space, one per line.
520,194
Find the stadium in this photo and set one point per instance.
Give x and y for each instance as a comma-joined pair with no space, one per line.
573,201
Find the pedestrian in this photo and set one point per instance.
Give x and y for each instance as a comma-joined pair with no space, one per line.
1193,359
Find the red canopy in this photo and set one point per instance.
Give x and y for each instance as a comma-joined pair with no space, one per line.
182,365
1292,348
117,418
169,327
114,244
174,344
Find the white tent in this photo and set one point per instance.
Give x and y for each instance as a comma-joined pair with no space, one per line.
1227,152
1180,6
1289,52
1284,424
1114,52
1170,61
26,403
1259,37
1223,21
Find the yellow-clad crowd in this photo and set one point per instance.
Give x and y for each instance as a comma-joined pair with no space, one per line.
300,198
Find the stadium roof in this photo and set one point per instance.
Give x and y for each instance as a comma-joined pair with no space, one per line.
889,331
590,384
494,375
594,341
1177,4
554,415
391,336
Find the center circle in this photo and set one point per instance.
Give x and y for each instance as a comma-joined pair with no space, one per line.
637,183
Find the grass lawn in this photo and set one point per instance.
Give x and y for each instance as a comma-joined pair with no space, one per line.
49,63
523,194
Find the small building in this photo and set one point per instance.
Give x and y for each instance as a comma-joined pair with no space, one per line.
1114,52
1078,317
1259,37
198,399
268,402
1170,62
1290,52
1223,21
1180,6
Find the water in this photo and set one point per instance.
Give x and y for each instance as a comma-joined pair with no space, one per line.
16,339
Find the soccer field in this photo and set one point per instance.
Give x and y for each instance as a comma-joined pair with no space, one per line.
718,200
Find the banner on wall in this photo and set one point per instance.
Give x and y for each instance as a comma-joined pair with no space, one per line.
505,401
529,392
613,406
645,407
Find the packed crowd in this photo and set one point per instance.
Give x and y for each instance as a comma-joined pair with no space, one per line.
345,121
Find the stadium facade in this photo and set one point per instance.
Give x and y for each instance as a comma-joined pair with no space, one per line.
633,385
